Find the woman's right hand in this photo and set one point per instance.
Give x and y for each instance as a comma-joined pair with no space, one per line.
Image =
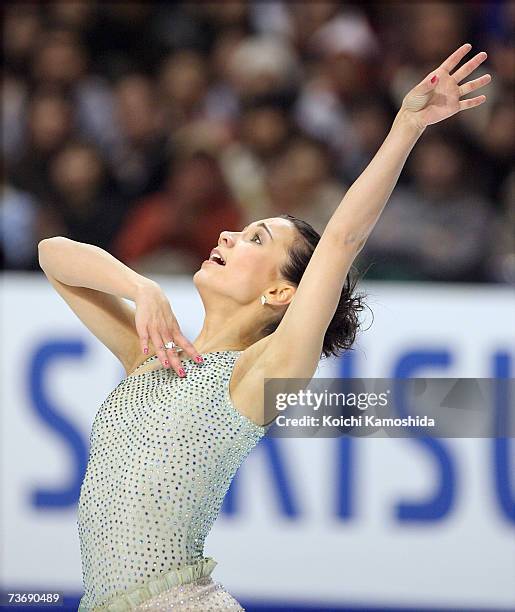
155,321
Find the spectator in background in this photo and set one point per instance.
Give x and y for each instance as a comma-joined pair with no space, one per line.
306,18
183,86
436,229
348,47
140,156
344,68
300,183
182,223
62,62
21,29
370,119
50,122
84,204
222,103
260,66
264,131
74,14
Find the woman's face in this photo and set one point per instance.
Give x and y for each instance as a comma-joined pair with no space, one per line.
253,257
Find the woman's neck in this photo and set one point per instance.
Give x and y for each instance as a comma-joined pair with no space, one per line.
225,333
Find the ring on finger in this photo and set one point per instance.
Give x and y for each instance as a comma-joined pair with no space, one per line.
172,346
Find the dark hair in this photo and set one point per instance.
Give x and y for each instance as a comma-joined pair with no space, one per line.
341,332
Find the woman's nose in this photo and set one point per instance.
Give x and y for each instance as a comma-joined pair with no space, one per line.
226,237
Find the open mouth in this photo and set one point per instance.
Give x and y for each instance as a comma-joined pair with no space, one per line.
217,258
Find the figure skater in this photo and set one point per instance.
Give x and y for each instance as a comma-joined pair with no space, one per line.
167,441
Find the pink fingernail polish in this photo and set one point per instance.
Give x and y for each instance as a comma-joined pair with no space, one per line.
433,79
145,350
199,359
166,363
182,372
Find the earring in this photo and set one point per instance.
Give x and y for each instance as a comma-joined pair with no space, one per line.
263,300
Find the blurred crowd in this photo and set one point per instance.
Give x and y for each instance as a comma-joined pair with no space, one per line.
147,129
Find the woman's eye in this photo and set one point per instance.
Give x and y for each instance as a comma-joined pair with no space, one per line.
255,237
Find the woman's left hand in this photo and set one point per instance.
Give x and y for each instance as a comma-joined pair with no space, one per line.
431,102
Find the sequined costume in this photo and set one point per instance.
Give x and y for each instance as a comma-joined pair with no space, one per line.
163,452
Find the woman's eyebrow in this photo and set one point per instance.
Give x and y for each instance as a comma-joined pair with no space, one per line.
264,225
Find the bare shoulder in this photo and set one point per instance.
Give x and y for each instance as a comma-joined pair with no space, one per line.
270,357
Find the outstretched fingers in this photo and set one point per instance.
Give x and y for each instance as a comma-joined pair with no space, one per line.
455,58
475,84
471,102
469,67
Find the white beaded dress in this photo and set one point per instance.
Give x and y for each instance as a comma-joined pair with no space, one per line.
163,452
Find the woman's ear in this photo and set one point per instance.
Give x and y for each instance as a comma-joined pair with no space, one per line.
281,296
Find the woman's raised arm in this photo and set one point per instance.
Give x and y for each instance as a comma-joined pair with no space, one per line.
306,320
93,283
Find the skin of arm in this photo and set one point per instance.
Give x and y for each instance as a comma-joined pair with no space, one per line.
79,264
93,282
360,209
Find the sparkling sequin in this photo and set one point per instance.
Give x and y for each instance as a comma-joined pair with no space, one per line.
163,452
204,595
